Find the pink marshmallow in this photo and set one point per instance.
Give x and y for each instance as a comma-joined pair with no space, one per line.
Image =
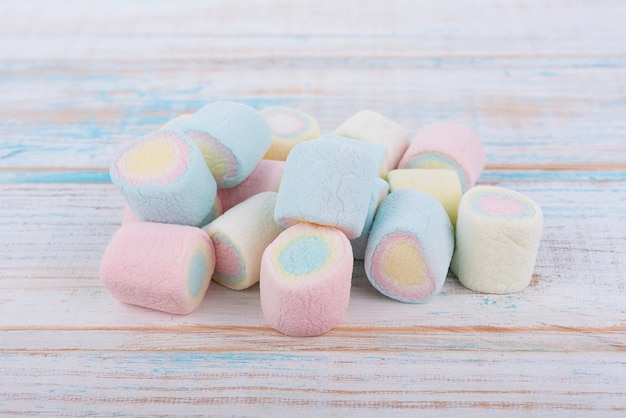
165,267
265,177
447,145
306,274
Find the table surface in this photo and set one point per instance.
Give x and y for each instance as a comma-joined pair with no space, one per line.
542,83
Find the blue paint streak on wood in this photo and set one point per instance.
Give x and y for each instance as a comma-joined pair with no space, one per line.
102,176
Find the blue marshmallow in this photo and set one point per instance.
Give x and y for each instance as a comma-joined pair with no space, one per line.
233,138
327,183
381,189
409,247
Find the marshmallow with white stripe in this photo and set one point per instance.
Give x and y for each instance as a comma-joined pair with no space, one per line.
371,126
497,239
289,127
240,236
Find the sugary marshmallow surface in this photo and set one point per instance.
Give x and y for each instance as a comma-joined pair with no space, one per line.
159,266
289,126
240,236
233,137
326,183
264,178
164,178
370,126
306,275
381,190
497,238
447,145
378,152
442,184
410,246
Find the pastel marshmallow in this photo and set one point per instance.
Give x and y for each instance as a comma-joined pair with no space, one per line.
289,126
410,246
447,145
370,126
306,274
163,178
264,178
326,183
216,210
497,239
158,266
378,152
442,184
178,119
381,190
240,236
233,137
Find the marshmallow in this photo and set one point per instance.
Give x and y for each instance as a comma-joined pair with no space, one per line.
289,126
306,275
326,183
370,126
497,238
216,210
410,246
381,189
240,236
158,266
377,151
163,178
442,184
264,178
233,138
176,120
447,145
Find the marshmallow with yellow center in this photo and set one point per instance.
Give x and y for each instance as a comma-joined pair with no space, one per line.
233,137
410,246
164,178
289,127
371,126
306,275
158,266
240,236
442,184
497,239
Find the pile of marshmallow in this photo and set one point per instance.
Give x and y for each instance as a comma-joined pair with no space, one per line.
238,196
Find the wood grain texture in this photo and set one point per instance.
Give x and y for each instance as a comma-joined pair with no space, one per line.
541,82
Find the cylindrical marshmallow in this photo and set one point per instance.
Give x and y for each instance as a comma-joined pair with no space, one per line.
216,210
232,137
306,274
377,151
289,127
158,266
163,178
440,183
410,246
381,189
264,178
176,120
370,126
240,236
497,238
447,145
326,183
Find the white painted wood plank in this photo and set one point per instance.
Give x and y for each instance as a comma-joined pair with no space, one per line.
243,383
524,116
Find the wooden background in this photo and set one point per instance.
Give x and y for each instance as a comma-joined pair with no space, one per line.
542,82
